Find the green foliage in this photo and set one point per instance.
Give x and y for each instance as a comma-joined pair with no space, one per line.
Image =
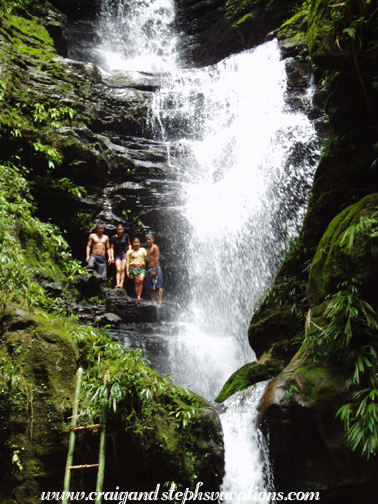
53,116
136,219
360,418
121,380
291,391
84,220
367,226
28,246
67,185
51,154
2,90
236,9
348,340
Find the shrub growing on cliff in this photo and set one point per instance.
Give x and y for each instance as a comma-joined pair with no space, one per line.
348,339
28,246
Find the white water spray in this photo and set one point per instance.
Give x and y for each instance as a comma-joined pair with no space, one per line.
247,452
232,140
237,135
137,35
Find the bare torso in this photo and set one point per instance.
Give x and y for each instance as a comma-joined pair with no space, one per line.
153,256
98,244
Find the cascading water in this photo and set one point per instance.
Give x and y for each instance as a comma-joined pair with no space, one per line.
238,139
234,143
137,35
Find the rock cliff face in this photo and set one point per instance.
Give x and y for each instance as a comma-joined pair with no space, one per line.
305,317
82,145
106,162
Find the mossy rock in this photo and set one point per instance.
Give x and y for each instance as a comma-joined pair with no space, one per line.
347,250
146,445
322,35
248,375
38,366
269,366
278,324
306,441
293,34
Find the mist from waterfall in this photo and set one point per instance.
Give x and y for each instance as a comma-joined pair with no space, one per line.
137,35
245,162
245,196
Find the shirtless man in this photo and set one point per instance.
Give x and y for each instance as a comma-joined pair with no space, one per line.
154,272
97,250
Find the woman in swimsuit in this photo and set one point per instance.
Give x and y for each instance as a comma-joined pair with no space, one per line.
136,266
119,244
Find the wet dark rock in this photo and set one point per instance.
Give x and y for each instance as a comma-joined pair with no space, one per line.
88,285
109,319
209,36
215,29
53,288
307,444
88,314
128,309
76,9
55,23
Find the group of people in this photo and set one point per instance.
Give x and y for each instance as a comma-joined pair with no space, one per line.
130,260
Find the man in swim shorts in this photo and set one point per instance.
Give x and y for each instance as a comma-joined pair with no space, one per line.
154,271
98,252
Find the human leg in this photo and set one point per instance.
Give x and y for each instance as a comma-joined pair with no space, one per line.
98,263
102,268
138,282
122,273
92,262
117,264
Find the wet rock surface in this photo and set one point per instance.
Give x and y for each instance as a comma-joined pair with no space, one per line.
307,444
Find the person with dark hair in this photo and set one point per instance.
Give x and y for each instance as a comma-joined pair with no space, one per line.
97,250
154,272
119,245
136,266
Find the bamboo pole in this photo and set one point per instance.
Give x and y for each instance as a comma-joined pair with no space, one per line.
71,445
83,466
87,427
101,458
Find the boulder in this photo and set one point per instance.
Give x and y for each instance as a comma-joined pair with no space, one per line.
347,251
88,285
307,444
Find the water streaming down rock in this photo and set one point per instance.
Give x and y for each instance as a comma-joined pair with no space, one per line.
239,139
137,36
247,467
235,143
245,162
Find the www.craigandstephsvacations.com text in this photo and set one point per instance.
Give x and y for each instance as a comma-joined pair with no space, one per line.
180,496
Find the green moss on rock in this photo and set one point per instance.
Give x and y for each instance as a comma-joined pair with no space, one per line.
347,250
268,367
249,375
38,363
293,33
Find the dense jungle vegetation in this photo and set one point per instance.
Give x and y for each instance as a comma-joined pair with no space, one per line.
320,314
42,343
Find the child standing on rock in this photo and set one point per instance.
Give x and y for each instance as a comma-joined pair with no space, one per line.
136,266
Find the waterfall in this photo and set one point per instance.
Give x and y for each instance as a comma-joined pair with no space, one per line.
244,197
137,35
247,458
245,162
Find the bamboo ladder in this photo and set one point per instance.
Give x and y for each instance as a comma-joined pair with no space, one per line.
71,447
